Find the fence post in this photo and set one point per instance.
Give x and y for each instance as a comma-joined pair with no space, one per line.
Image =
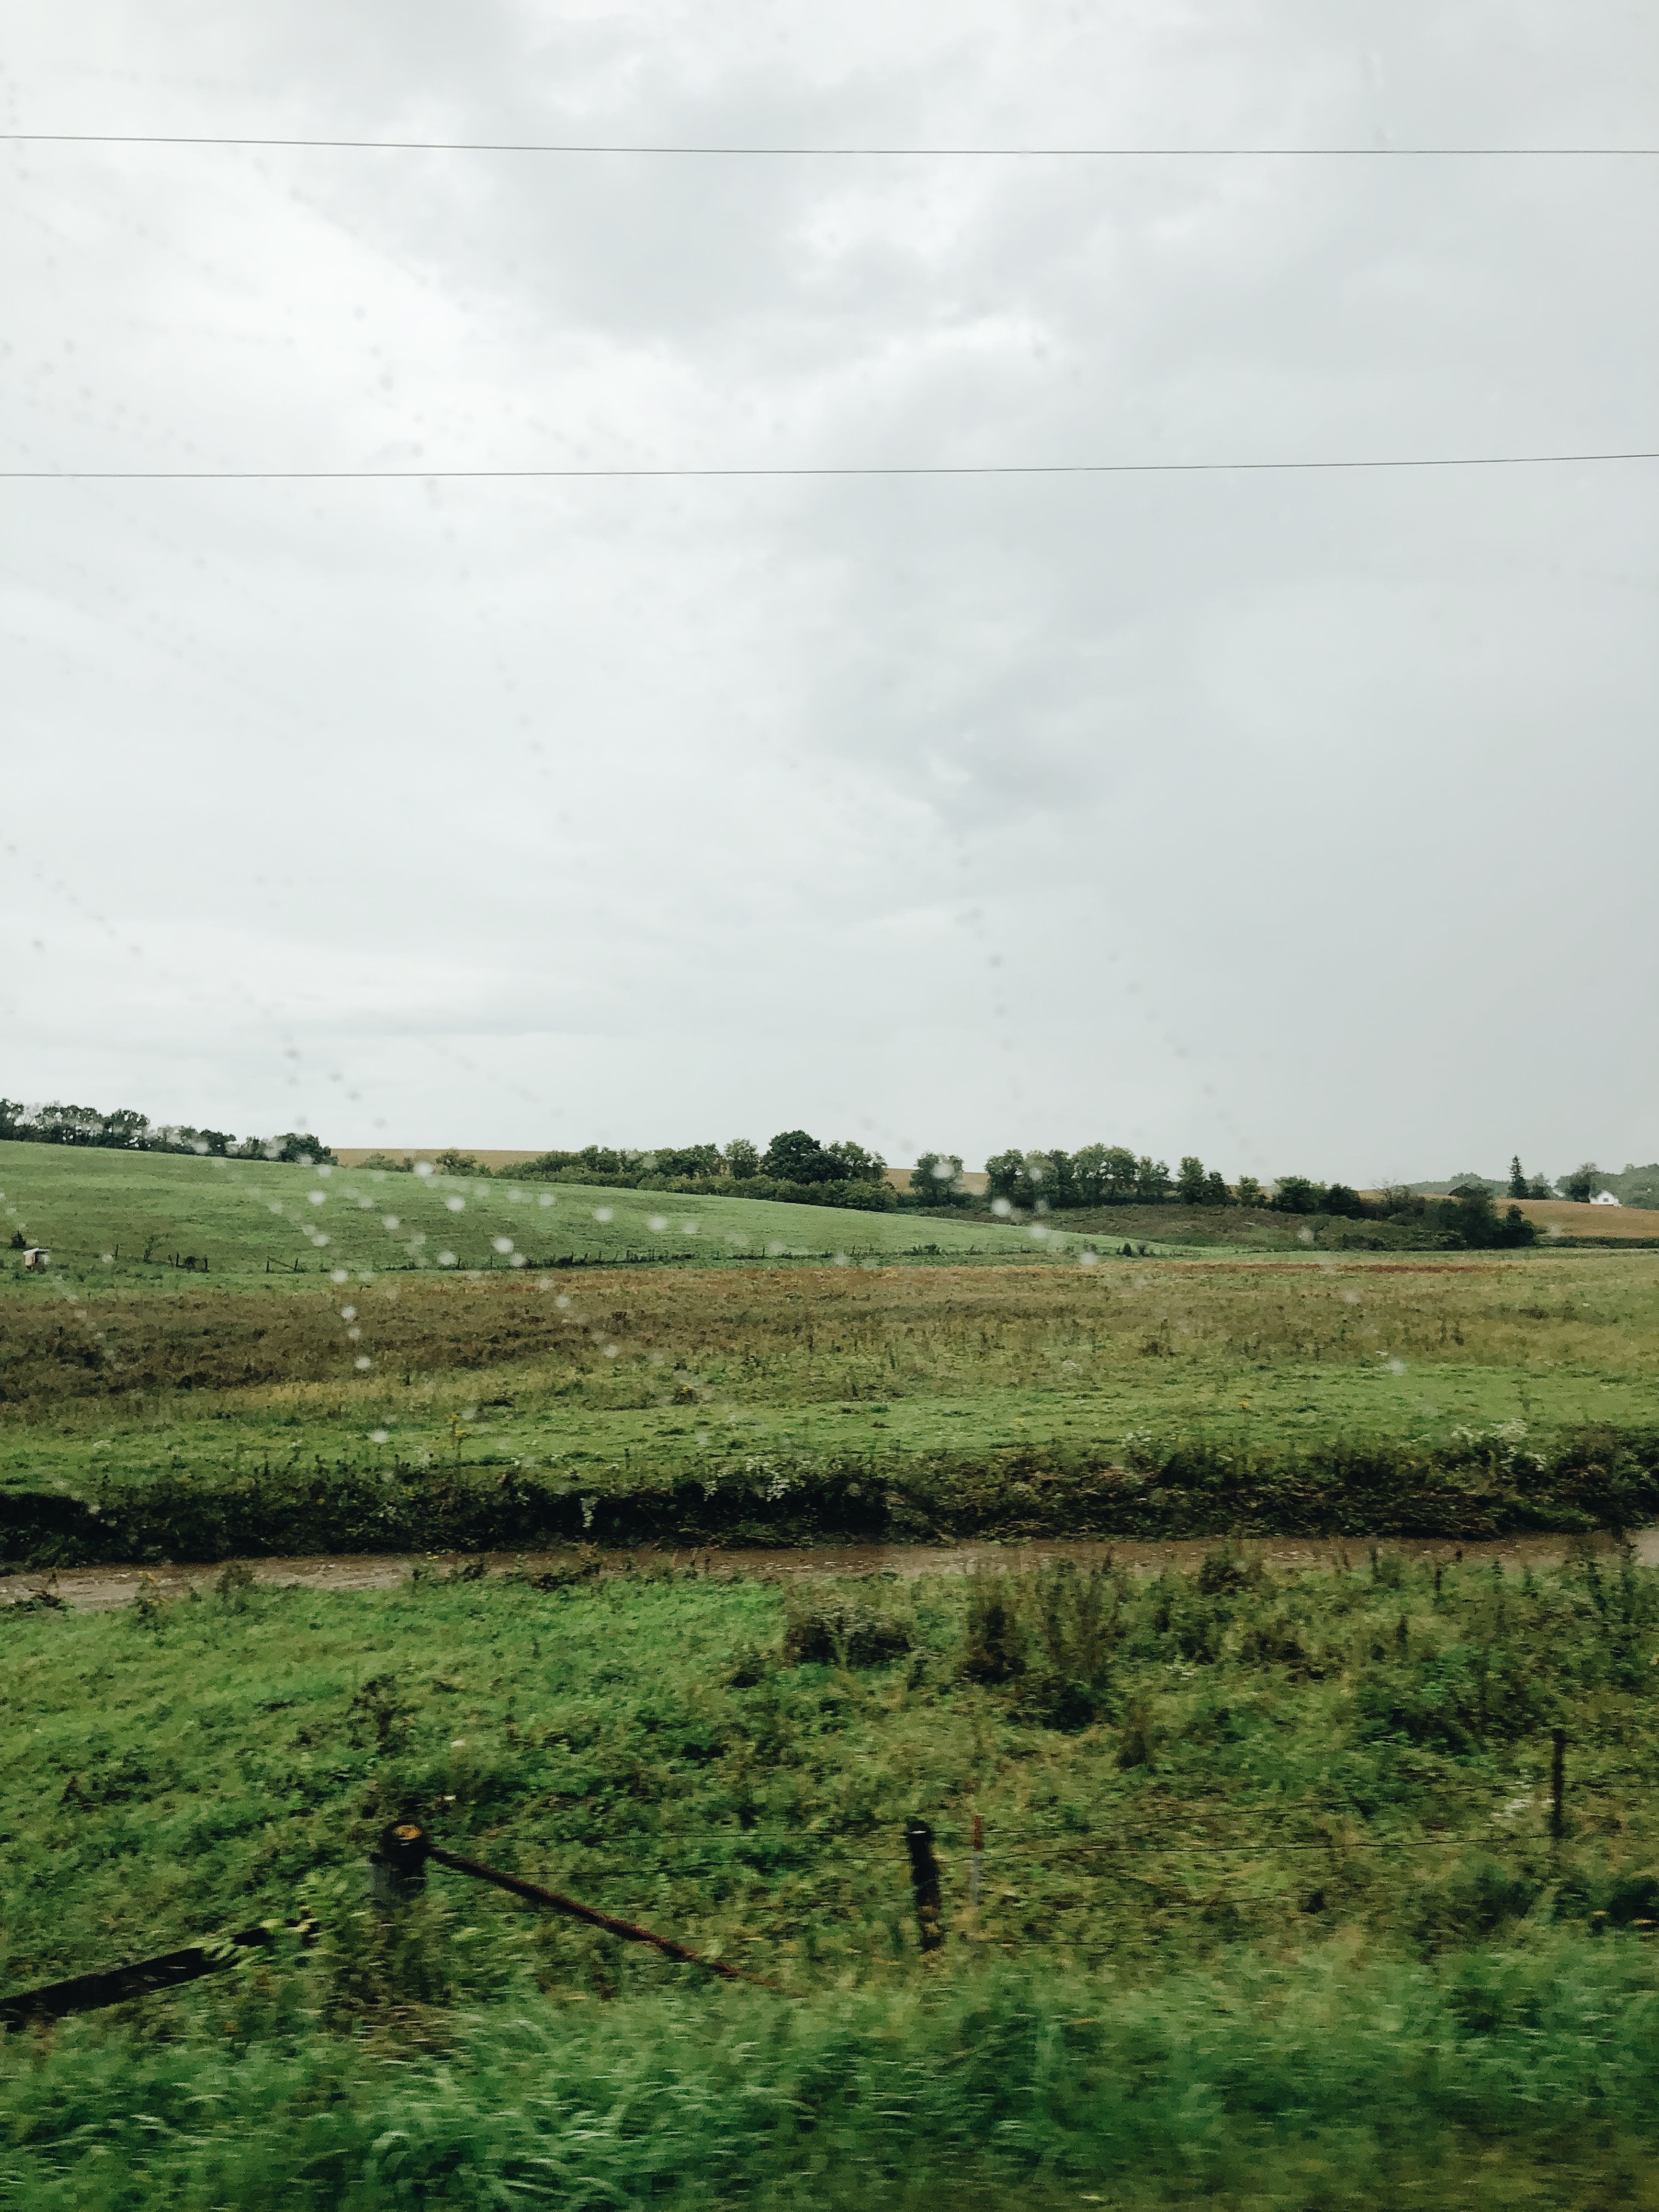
1557,1784
976,1863
397,1868
924,1880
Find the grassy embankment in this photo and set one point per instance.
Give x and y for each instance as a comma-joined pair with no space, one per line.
784,1401
1272,1916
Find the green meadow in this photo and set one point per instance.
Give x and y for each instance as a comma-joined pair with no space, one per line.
1272,1911
937,1379
121,1219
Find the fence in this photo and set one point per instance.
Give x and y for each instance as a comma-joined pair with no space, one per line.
397,1872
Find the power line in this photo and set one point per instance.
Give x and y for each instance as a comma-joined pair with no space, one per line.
843,153
806,470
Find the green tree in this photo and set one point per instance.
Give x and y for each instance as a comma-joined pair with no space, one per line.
1583,1183
793,1157
1250,1192
1004,1176
741,1159
853,1163
937,1179
1122,1176
1216,1192
1341,1198
1519,1186
1297,1194
1152,1180
1189,1183
1089,1176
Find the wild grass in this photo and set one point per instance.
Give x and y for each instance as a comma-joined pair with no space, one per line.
1272,1913
659,1378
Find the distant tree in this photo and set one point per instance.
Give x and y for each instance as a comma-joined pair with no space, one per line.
1216,1192
1519,1186
937,1178
1582,1184
457,1163
1341,1198
383,1164
1005,1176
741,1159
691,1161
853,1163
1540,1188
293,1144
1122,1176
793,1157
14,1117
58,1124
1189,1183
1250,1192
1297,1194
1152,1180
1089,1176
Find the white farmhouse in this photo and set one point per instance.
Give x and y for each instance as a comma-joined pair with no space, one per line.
1605,1198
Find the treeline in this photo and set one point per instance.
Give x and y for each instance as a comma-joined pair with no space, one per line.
1099,1175
124,1130
794,1169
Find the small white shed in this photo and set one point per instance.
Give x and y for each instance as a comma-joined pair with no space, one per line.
36,1256
1605,1198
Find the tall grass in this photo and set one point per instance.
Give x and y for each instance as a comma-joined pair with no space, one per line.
1272,1912
1278,2085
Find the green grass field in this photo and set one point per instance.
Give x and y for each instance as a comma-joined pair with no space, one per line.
988,1387
254,1220
1271,1913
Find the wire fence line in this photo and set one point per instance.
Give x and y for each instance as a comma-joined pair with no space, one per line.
397,1873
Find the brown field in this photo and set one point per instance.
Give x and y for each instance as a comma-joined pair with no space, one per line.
1567,1219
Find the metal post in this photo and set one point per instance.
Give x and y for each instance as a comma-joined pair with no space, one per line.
924,1880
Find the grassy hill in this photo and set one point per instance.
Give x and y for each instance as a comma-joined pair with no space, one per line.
248,1219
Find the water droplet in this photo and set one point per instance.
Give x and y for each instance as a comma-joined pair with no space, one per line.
390,1221
605,1213
363,1361
456,1205
501,1243
379,1435
657,1224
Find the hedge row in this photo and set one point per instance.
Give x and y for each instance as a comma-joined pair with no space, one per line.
1593,1480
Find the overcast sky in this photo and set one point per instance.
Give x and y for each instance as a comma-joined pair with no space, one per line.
1305,822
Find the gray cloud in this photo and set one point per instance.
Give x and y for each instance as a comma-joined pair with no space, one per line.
1305,817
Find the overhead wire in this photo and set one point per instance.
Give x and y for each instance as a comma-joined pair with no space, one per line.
761,152
817,470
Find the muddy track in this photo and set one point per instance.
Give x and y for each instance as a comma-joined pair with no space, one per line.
92,1589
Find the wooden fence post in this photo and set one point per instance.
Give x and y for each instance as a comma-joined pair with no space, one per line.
1557,1784
923,1880
397,1869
